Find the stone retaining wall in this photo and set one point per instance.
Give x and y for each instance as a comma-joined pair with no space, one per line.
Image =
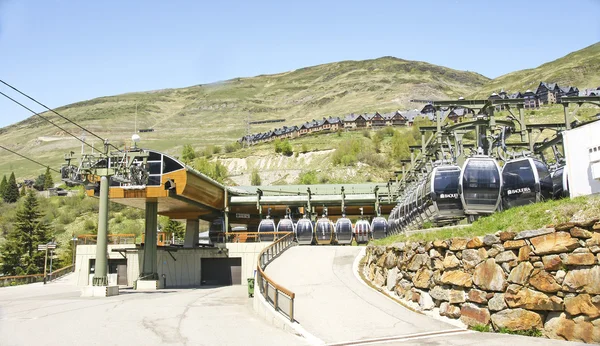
546,279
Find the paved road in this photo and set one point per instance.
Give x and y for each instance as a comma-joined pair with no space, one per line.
54,314
333,305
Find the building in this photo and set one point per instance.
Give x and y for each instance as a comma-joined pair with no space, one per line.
582,153
532,100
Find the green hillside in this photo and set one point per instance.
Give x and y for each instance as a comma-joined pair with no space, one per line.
580,69
215,114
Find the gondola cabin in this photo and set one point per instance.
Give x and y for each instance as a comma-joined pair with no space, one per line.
442,199
480,185
560,184
304,232
379,227
266,230
525,181
343,231
285,225
362,231
324,231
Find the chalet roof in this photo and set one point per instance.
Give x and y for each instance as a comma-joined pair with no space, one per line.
549,86
349,118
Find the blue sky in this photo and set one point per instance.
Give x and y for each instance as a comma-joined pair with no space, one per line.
63,51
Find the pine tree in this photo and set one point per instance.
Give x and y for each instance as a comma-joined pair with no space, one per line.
11,194
48,183
255,178
3,186
176,228
19,251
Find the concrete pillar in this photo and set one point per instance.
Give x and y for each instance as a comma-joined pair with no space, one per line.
567,120
149,264
192,233
100,277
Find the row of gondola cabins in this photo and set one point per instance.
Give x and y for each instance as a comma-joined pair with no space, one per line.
332,124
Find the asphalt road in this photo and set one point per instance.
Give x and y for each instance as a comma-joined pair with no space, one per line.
55,314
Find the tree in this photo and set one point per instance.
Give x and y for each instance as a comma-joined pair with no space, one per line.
40,182
176,228
48,183
11,194
19,251
188,155
255,179
3,186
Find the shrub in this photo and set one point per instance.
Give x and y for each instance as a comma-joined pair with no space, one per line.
366,133
255,179
308,178
284,147
216,150
304,148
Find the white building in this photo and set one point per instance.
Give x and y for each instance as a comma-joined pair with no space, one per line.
582,151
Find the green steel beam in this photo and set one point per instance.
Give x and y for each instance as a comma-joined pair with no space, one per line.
100,272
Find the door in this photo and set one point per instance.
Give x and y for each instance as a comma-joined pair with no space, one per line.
221,271
122,274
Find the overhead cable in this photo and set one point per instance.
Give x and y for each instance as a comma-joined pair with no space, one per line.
32,160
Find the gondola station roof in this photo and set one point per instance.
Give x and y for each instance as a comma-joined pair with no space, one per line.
184,193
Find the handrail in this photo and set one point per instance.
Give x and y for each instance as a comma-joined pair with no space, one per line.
265,283
32,278
60,272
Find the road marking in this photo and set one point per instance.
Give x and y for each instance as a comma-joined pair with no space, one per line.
401,338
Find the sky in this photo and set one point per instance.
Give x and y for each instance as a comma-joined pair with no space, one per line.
61,51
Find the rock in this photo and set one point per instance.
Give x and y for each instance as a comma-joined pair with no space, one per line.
514,244
538,264
441,244
494,251
552,262
489,276
422,278
490,240
472,315
558,326
425,301
471,258
521,297
450,262
390,260
594,240
554,243
392,278
595,248
586,280
579,259
517,319
524,253
458,244
497,303
456,296
564,226
505,267
449,310
521,273
560,276
403,287
457,278
533,233
582,304
475,243
439,293
581,250
415,296
505,256
437,264
542,281
380,277
477,296
433,253
586,224
596,226
504,235
417,262
580,233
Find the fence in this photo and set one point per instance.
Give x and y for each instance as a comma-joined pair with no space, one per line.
278,296
33,278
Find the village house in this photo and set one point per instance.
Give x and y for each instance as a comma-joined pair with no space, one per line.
376,120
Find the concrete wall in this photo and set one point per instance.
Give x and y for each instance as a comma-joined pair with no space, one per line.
546,279
249,254
87,252
577,143
184,268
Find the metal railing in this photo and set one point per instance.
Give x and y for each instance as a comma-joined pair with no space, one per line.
33,278
253,237
278,296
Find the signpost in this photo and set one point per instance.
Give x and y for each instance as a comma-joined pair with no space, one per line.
45,247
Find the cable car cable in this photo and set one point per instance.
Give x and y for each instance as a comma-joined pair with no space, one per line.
55,112
32,160
48,120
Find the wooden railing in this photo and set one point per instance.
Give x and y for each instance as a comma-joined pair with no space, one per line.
32,278
278,296
251,237
125,238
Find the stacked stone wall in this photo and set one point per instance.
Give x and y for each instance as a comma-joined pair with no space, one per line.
546,279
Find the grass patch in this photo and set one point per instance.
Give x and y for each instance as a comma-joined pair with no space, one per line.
529,332
484,328
517,219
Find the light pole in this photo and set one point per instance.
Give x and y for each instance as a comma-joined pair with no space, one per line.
74,240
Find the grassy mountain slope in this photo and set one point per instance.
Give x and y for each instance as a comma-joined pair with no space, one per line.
215,114
580,69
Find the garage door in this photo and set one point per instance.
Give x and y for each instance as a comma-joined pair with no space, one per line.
221,271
